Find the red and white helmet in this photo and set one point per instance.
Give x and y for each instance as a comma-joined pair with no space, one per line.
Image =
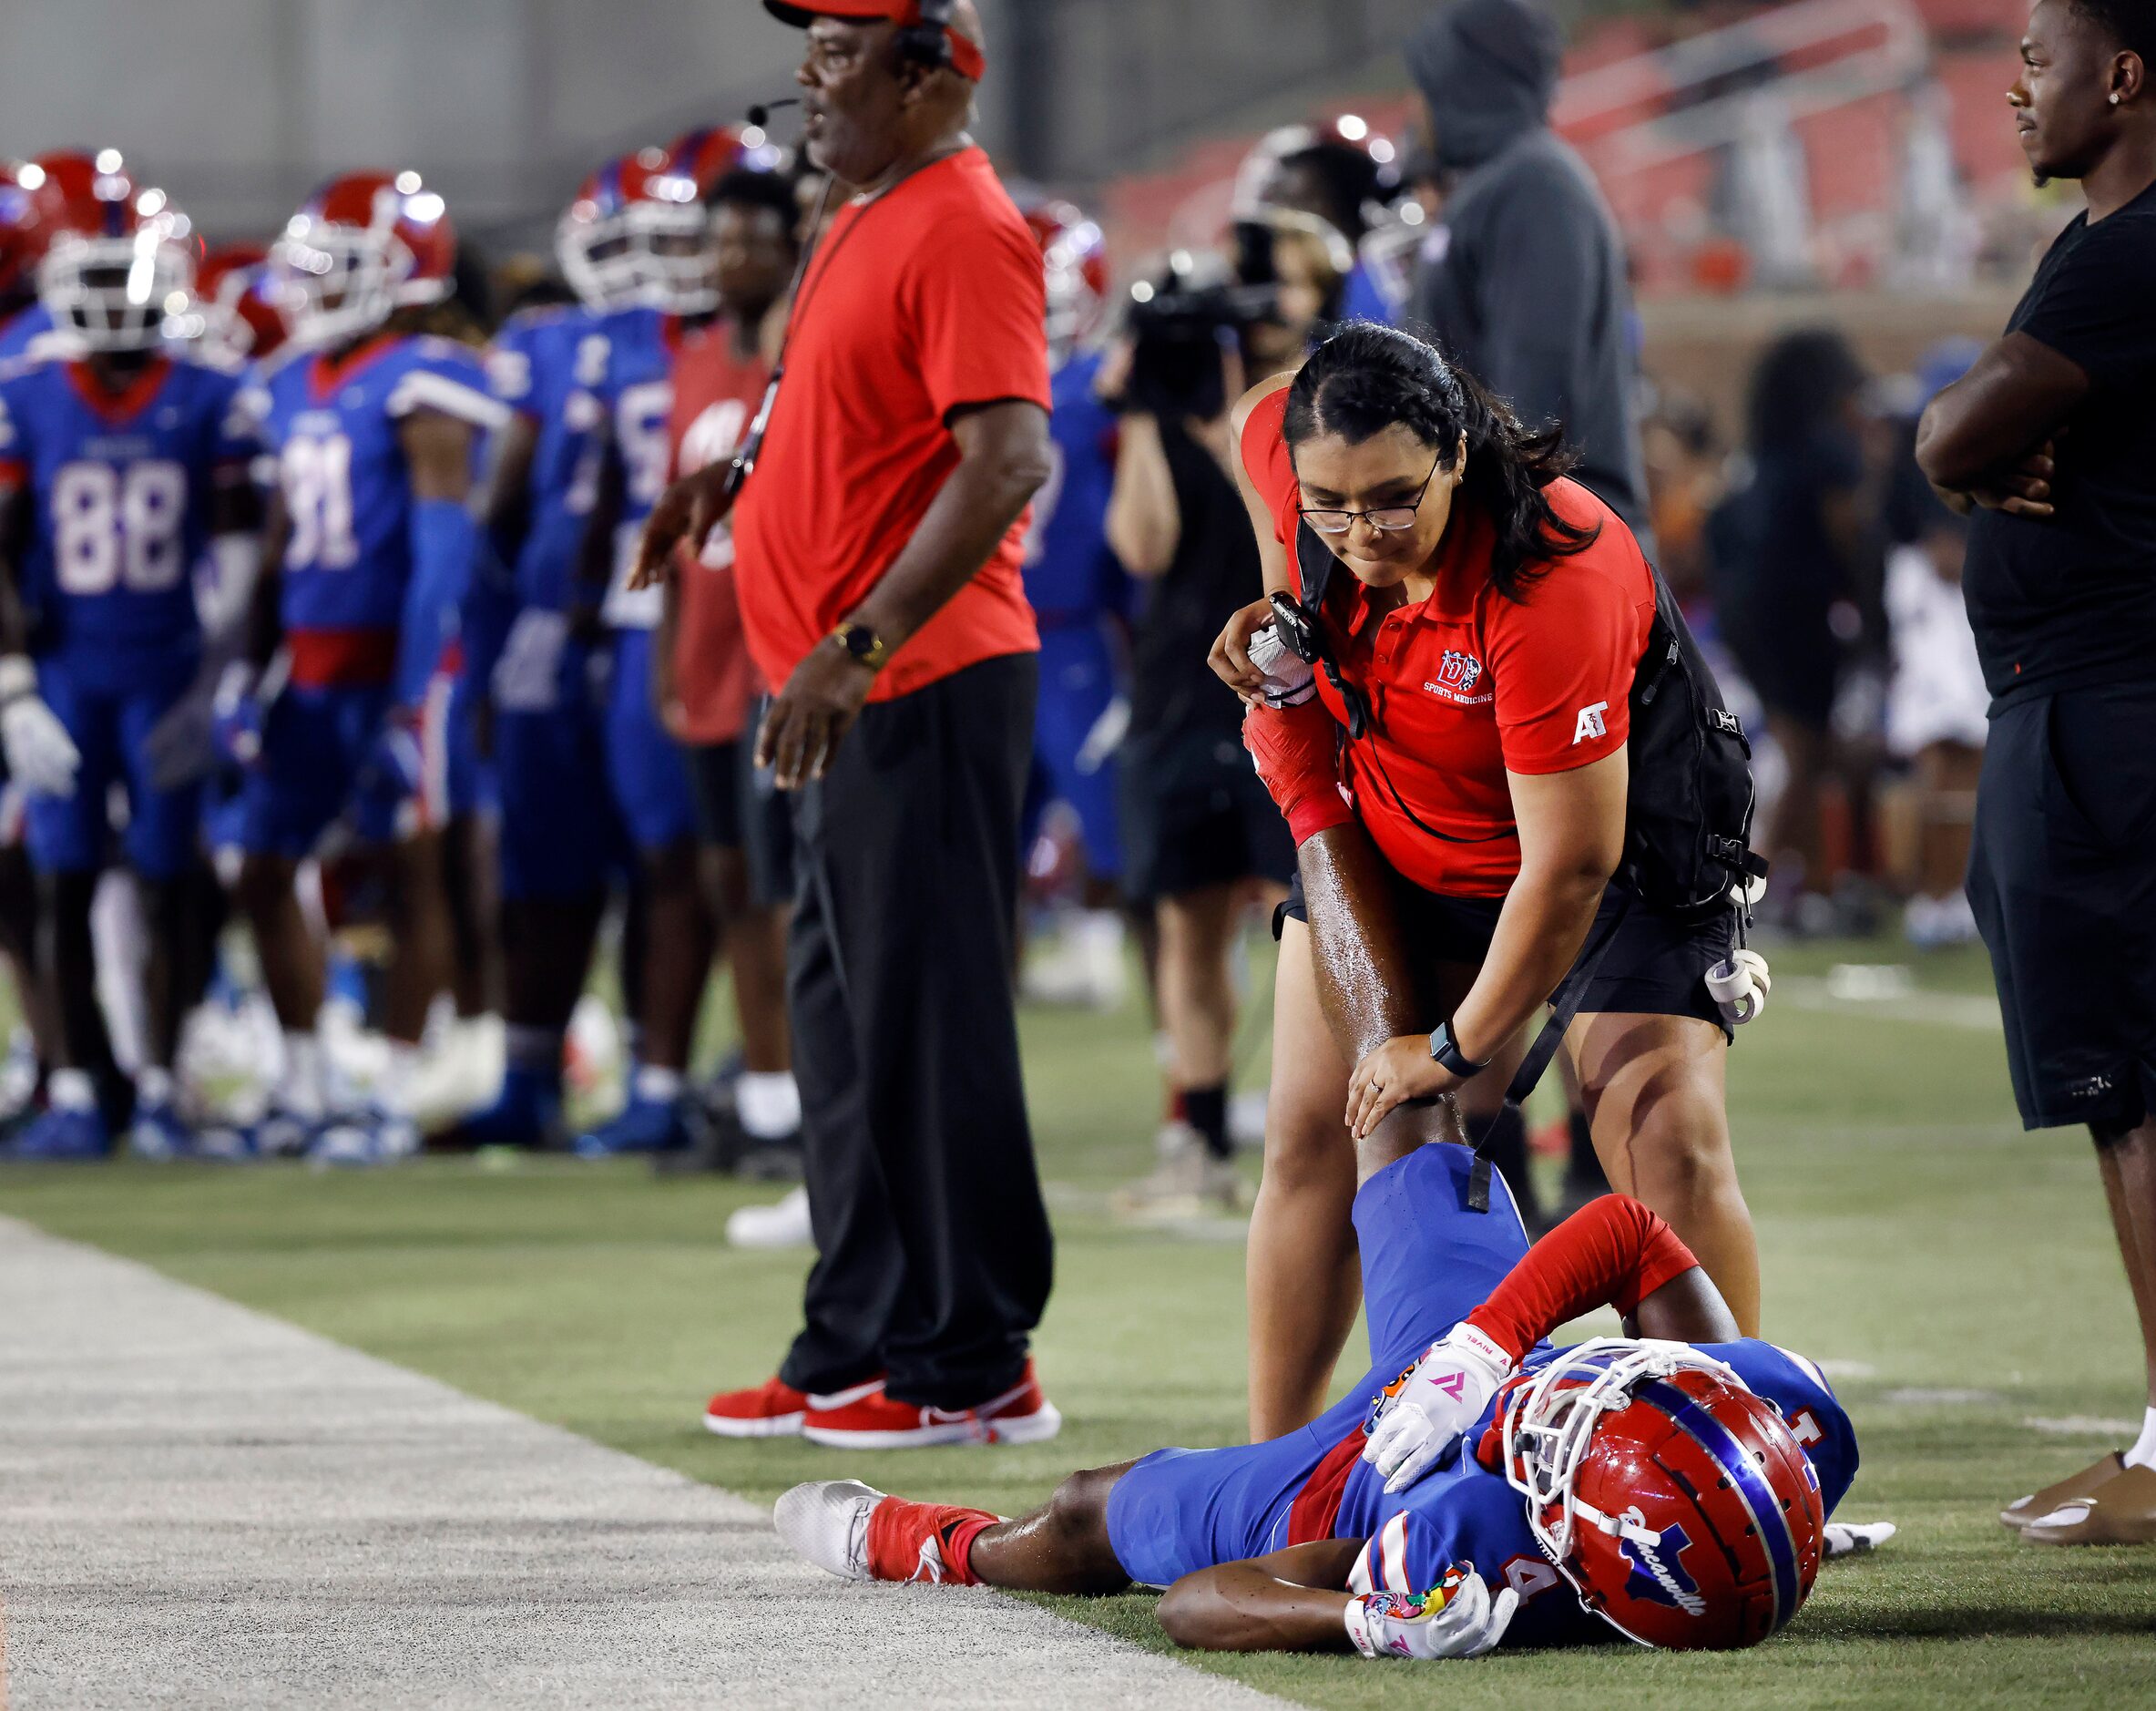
118,259
1076,256
360,249
235,314
1677,1503
639,232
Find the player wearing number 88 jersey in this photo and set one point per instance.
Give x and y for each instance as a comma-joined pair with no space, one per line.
117,466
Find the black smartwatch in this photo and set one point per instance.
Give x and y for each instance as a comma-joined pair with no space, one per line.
863,644
1446,1052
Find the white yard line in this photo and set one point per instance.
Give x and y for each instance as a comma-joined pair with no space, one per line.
203,1506
1947,1009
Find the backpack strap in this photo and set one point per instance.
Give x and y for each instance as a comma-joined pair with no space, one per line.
1563,1009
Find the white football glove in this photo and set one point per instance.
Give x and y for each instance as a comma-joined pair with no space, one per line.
1290,681
41,756
1433,1403
1458,1618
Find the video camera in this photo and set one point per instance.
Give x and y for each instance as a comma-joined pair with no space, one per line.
1182,322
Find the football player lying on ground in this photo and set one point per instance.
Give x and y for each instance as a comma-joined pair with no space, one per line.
1675,1490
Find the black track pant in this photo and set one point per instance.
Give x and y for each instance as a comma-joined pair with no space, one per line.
934,1252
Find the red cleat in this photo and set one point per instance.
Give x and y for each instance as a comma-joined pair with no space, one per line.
775,1409
870,1420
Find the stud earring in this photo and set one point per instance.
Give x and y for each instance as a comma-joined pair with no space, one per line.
2114,98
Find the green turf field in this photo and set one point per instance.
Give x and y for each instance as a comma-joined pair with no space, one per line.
1957,1277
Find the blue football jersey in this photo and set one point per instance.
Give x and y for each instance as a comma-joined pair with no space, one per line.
121,489
544,365
333,429
638,397
1071,576
23,333
1463,1513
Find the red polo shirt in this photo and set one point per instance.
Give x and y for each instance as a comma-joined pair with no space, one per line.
918,303
1467,685
715,398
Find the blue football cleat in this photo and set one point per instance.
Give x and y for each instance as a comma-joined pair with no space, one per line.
279,1132
60,1137
362,1140
157,1134
644,1126
527,1115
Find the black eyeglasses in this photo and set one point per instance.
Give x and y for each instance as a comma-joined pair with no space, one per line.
1390,517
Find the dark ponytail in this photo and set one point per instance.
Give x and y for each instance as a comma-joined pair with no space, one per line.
1367,377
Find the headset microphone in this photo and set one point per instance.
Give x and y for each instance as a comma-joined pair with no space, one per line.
761,114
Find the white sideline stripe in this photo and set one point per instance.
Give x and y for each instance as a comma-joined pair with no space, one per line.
206,1507
2083,1426
1948,1009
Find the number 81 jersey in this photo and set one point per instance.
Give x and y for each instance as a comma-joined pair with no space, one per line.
120,485
331,424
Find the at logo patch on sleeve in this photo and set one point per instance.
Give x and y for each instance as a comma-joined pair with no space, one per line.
1590,723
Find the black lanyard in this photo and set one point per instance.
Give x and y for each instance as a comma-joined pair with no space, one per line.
797,301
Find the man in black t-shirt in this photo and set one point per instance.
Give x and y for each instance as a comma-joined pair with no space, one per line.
2050,440
1198,826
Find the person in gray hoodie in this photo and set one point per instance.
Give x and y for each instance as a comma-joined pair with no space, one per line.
1523,284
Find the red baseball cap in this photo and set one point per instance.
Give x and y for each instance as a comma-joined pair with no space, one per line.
967,58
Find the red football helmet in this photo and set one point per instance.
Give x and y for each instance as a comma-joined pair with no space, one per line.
1076,256
234,314
119,261
1676,1502
639,232
360,248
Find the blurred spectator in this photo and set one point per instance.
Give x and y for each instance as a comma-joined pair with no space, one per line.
1527,286
1309,265
1197,824
1785,550
1334,173
1935,718
1683,463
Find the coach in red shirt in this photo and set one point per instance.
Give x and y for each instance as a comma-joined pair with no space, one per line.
877,546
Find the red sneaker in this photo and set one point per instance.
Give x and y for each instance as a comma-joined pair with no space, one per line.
870,1420
775,1409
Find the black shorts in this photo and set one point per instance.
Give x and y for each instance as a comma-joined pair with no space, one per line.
2062,877
1194,815
737,809
1655,966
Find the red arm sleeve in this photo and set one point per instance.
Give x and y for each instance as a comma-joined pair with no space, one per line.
1613,1252
1297,753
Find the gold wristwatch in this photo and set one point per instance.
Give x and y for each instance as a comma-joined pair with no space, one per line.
867,646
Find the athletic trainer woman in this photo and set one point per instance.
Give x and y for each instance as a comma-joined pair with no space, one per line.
1457,789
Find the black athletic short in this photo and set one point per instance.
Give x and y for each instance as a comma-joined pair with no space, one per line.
1194,815
1653,967
736,809
2062,877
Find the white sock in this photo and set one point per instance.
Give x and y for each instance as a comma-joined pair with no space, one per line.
768,1102
153,1086
300,1087
656,1086
70,1089
393,1093
2143,1453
